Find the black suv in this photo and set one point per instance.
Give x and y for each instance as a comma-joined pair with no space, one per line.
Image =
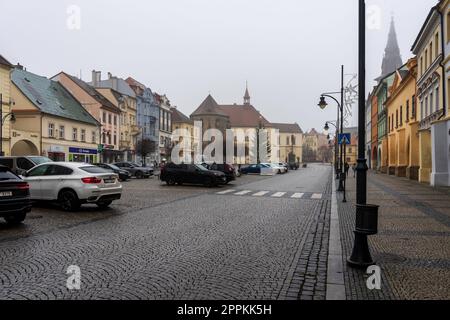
15,200
135,170
191,174
227,169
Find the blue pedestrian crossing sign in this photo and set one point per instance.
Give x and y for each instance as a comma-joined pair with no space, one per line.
345,138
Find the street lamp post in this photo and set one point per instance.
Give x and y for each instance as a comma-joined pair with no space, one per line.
323,104
336,146
366,215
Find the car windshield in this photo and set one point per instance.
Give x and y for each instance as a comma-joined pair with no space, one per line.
94,169
201,167
135,165
40,160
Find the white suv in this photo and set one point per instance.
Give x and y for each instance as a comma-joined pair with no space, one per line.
73,184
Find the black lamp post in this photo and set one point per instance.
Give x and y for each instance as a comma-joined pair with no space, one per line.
366,215
323,104
336,148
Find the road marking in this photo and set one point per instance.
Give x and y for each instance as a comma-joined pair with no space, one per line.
316,196
278,194
261,193
226,191
297,195
242,193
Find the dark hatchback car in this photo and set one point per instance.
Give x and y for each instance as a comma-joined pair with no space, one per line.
135,170
191,174
15,200
124,175
227,169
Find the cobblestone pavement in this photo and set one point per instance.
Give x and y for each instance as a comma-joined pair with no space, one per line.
179,243
413,244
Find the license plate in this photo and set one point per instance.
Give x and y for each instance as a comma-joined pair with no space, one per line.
6,194
110,180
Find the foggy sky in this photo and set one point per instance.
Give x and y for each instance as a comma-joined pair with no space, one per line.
289,51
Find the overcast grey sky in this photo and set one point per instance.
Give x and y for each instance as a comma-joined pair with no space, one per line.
289,50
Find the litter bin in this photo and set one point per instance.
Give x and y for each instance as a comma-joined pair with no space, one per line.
367,219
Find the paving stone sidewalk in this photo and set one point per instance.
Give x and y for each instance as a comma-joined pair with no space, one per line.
413,244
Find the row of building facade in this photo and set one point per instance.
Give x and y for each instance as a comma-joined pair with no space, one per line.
408,118
67,119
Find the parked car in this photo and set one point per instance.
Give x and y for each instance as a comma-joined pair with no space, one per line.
227,169
124,175
135,170
254,168
15,200
278,169
73,184
285,165
191,174
20,165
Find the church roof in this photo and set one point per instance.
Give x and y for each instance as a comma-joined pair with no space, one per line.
287,127
392,59
244,116
179,117
208,106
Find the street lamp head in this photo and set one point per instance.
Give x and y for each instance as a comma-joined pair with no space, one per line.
322,104
13,118
327,127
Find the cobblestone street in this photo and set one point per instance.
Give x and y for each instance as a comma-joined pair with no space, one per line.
413,244
185,242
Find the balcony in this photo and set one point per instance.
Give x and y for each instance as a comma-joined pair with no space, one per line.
426,123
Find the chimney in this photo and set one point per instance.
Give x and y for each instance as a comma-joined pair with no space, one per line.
19,66
114,83
96,78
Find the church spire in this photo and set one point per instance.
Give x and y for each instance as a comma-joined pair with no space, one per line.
247,95
392,59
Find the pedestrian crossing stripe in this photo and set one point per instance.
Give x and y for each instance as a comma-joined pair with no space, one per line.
242,193
278,194
273,194
261,193
226,191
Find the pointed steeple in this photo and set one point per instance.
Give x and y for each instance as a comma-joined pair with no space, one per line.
247,95
392,59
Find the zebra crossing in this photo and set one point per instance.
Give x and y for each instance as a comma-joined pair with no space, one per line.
272,194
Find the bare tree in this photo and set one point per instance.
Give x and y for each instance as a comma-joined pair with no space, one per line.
144,148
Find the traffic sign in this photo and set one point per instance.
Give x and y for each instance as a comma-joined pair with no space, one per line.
345,138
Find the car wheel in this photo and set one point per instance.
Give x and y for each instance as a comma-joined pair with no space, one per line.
68,201
104,204
171,181
139,175
209,182
16,218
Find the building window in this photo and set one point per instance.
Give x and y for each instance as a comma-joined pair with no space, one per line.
431,52
104,117
115,120
421,66
109,118
436,44
94,137
287,140
426,108
83,135
426,59
407,111
437,106
62,132
115,138
396,118
413,107
401,115
74,134
431,102
51,130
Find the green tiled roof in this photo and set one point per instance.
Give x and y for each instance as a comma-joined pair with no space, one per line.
50,97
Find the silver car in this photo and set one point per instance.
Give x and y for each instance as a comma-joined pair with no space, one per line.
73,184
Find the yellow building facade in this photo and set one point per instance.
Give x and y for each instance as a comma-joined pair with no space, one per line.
5,104
428,50
403,126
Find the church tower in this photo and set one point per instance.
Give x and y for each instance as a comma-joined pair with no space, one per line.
246,96
392,59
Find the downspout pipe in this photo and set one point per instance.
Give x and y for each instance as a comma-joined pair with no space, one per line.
444,77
